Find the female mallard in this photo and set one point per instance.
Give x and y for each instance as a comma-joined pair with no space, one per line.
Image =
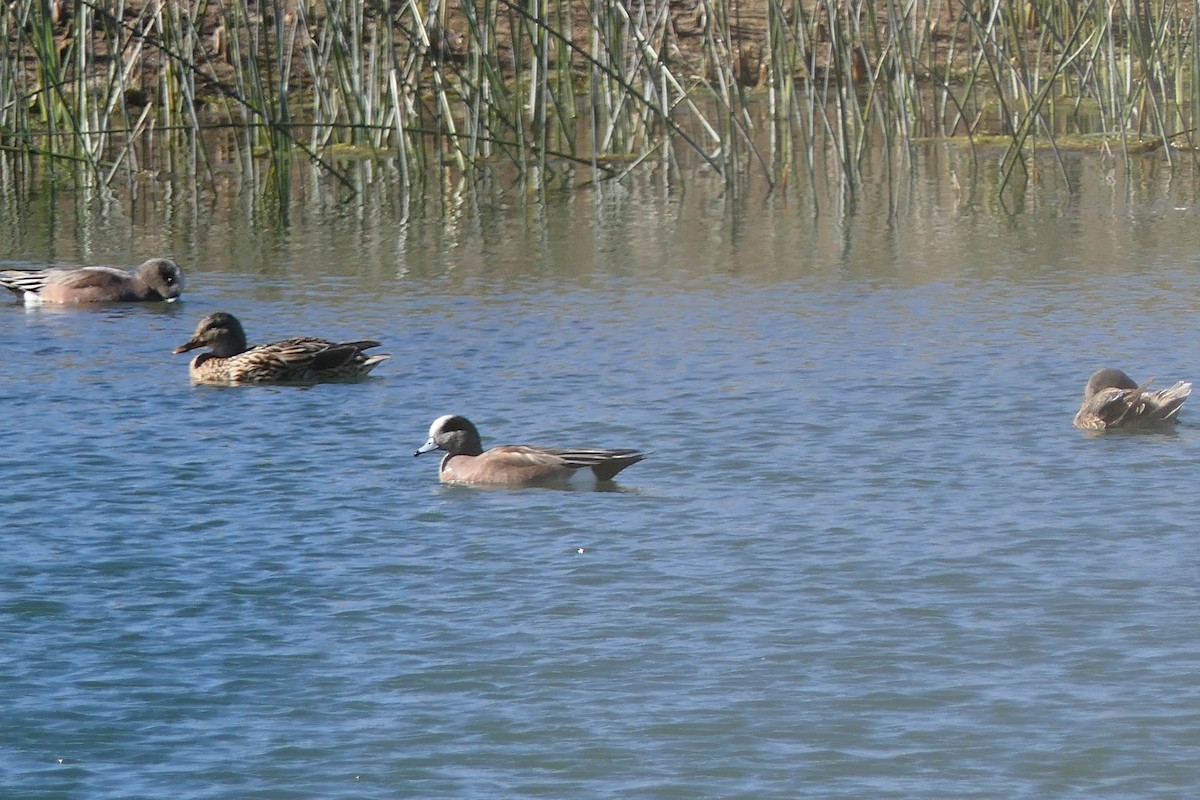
1112,400
155,280
302,360
516,465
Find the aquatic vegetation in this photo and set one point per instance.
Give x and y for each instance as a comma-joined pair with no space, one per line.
790,90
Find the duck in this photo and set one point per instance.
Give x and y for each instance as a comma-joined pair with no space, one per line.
515,466
303,360
1113,400
155,280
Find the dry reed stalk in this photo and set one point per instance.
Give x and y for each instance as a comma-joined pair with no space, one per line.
840,79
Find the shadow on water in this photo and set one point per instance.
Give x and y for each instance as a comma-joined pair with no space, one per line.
610,487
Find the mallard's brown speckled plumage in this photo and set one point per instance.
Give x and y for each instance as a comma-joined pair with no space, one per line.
305,359
1112,400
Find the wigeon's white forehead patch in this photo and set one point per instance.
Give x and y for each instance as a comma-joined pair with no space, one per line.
438,423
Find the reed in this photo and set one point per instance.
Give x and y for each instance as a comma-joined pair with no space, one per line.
797,92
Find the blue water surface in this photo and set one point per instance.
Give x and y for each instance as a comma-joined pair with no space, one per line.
868,557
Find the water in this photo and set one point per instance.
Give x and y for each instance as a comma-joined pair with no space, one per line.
869,557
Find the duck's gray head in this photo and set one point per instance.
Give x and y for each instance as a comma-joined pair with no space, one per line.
453,433
163,276
1107,378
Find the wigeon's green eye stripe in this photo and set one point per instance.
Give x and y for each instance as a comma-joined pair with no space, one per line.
511,465
155,280
1112,400
303,360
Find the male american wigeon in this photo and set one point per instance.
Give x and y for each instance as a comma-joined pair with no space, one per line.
516,465
304,360
155,280
1111,400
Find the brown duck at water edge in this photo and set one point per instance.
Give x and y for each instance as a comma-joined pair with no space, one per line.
303,360
516,465
1112,400
156,280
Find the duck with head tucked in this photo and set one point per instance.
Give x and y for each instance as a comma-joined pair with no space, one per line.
156,280
1113,400
303,360
513,465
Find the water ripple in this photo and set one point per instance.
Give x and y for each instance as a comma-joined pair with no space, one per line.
868,557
